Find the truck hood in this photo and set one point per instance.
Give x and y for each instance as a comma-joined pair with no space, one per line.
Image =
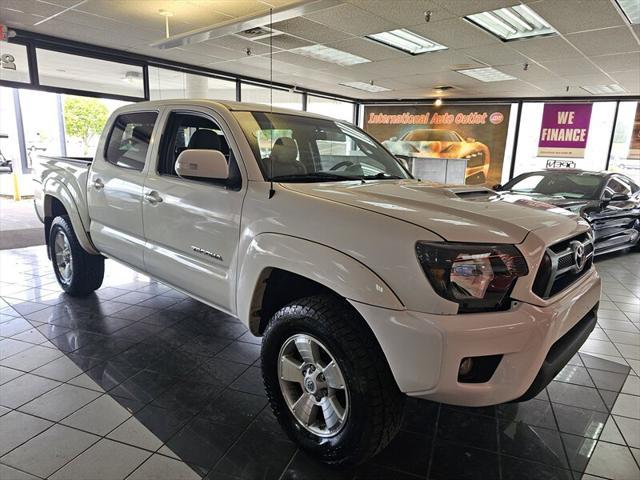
456,213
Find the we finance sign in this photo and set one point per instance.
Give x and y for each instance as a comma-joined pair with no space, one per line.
564,130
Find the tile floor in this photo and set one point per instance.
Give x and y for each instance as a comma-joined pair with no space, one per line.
140,382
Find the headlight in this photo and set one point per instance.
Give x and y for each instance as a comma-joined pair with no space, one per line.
477,277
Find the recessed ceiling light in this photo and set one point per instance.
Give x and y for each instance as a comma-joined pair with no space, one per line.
604,89
331,55
631,9
486,74
367,87
512,23
407,41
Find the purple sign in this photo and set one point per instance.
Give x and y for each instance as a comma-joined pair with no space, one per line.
564,130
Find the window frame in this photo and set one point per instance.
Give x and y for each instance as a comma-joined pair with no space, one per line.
167,141
105,152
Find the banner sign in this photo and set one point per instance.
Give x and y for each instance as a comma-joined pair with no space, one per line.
564,130
476,133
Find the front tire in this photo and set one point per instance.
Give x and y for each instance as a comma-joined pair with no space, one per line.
328,381
78,272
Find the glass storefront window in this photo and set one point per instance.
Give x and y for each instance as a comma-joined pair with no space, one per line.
40,122
9,146
167,84
14,66
625,150
331,108
84,118
57,69
281,98
598,137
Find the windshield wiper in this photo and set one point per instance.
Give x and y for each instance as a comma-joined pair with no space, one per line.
312,177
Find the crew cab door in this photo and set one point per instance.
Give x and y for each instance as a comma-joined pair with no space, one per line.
192,226
114,187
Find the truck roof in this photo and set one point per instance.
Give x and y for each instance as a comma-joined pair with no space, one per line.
227,104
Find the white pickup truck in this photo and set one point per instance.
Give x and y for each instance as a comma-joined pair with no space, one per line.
366,284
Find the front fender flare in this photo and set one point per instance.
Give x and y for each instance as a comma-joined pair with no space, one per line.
331,268
54,188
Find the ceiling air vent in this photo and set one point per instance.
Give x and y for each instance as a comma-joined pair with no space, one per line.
258,33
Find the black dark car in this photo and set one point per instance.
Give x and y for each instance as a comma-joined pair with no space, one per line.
610,202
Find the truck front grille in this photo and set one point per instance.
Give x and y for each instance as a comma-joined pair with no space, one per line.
563,263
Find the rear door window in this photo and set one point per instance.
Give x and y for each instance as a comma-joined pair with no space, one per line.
129,140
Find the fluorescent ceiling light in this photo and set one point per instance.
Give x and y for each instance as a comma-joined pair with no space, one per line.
331,55
237,25
631,9
604,89
486,74
512,23
367,87
407,41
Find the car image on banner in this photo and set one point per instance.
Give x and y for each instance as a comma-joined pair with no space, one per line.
441,143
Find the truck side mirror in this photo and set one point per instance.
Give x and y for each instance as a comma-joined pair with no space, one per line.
201,163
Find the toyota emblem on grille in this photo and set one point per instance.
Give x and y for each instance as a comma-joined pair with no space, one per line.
579,257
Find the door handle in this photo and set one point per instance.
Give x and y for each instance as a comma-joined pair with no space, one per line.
97,184
153,197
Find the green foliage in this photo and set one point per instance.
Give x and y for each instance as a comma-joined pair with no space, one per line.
84,118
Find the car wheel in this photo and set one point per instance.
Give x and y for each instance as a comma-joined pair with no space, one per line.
328,381
78,272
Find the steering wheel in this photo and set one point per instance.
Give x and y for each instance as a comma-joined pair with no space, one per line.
344,163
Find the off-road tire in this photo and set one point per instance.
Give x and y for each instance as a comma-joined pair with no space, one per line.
376,404
87,269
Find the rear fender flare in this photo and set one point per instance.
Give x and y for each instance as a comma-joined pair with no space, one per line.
54,188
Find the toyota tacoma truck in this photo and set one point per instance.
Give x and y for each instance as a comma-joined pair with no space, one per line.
365,284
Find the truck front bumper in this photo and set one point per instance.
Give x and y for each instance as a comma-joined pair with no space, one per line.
534,343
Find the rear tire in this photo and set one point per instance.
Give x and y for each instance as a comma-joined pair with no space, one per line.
78,272
370,403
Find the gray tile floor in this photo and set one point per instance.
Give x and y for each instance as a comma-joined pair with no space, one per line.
140,382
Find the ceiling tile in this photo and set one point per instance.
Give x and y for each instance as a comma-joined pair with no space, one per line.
571,66
456,33
496,55
534,73
629,80
351,19
309,30
30,7
186,14
545,48
621,62
236,43
605,41
461,8
406,12
568,16
592,79
307,62
368,49
285,42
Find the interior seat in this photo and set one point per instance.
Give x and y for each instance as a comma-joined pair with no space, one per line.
204,140
283,157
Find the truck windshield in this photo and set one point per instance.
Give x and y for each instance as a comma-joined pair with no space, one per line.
294,148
